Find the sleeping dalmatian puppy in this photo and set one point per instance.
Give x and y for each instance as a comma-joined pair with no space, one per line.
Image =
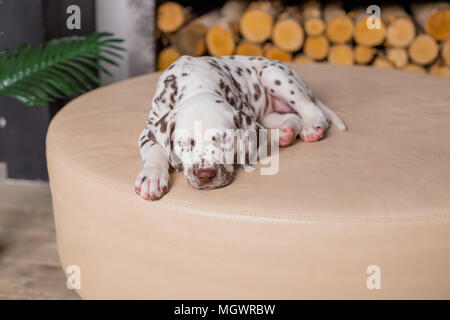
233,92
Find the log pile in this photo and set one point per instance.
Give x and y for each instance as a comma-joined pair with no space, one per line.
414,38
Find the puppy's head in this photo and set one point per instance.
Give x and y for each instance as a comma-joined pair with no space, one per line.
200,143
203,158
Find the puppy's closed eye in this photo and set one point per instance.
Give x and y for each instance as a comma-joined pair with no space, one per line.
186,143
217,139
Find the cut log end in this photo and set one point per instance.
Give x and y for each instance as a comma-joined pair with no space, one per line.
311,9
166,57
278,54
440,69
288,35
397,56
302,59
445,52
249,49
438,24
219,41
415,68
190,40
314,27
382,62
341,54
423,50
316,47
170,16
364,54
256,25
401,32
340,29
369,37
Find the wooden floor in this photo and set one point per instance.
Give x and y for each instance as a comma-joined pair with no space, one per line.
29,265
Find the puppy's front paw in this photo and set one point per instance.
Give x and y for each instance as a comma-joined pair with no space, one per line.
152,183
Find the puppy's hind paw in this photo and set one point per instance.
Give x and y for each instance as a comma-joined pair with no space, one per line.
152,183
287,136
312,134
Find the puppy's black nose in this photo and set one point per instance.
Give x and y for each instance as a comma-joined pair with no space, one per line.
206,174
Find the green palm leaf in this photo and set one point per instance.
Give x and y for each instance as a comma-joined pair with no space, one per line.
57,69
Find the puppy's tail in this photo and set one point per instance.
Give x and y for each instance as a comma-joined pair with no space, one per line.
335,119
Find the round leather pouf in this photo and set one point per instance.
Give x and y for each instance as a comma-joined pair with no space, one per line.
361,214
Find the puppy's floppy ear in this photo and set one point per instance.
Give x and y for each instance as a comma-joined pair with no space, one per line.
244,121
165,127
248,123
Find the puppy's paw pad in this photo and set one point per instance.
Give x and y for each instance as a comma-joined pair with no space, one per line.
312,134
151,183
287,136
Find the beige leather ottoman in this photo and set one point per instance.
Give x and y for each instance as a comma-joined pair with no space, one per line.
378,194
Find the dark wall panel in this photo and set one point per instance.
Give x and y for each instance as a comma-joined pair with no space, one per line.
22,140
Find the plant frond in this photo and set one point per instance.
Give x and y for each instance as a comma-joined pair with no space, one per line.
59,68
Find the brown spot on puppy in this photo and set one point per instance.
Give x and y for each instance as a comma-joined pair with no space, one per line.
150,135
257,91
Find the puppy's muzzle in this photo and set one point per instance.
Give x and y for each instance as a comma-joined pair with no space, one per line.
209,177
206,175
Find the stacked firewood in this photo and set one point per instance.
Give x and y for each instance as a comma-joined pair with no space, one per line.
414,39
